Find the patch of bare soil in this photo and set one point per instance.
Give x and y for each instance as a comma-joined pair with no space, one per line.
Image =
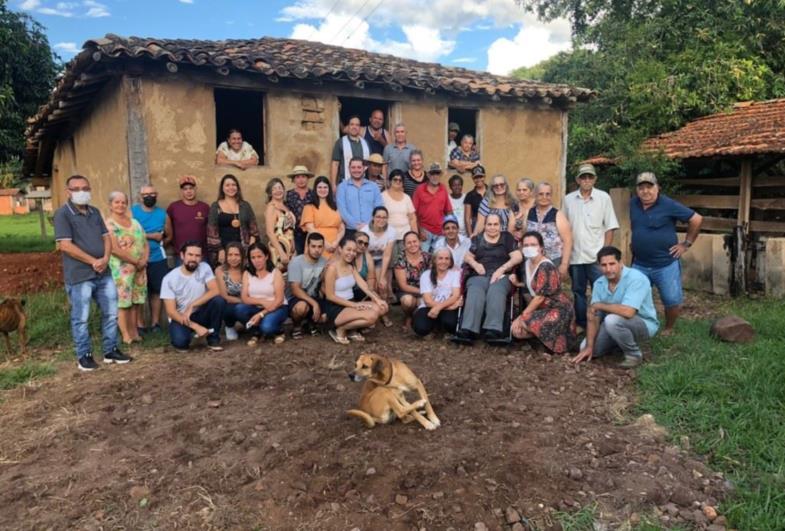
23,273
243,440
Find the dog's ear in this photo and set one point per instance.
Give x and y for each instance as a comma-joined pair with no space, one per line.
378,365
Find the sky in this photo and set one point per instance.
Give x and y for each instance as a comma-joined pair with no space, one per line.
493,35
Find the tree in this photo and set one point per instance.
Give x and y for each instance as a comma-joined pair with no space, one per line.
27,74
658,64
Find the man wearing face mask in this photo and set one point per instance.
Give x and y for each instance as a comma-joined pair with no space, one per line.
86,245
153,220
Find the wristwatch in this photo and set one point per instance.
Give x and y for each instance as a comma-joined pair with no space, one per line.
688,243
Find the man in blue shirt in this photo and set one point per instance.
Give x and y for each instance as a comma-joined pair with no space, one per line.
357,197
153,220
622,313
655,247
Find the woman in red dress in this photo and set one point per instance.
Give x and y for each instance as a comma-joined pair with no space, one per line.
549,316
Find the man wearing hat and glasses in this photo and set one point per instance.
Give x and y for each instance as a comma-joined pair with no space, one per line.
188,217
374,165
655,246
431,203
593,221
295,201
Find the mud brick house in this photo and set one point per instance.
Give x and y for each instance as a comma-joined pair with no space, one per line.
129,110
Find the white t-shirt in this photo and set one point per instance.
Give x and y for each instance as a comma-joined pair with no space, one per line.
184,289
458,252
398,213
443,289
457,209
377,243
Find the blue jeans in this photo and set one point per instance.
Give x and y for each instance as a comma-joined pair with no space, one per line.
208,315
104,292
270,324
230,315
581,276
430,240
668,282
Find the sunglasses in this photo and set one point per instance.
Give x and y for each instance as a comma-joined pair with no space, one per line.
361,242
499,185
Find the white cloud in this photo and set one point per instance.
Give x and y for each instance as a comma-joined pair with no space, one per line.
67,47
186,1
95,10
87,8
429,31
460,60
531,45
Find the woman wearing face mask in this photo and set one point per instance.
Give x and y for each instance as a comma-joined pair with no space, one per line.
549,315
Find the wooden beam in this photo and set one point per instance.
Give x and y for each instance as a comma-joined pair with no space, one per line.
767,226
714,223
745,193
767,182
709,201
136,136
771,203
721,181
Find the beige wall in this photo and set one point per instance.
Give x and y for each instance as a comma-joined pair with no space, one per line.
300,128
97,150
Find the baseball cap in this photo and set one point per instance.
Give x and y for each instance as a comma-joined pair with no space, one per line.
450,218
477,171
435,168
586,169
454,127
186,179
646,177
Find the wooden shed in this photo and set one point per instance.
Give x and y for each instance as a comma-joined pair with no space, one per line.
735,176
131,110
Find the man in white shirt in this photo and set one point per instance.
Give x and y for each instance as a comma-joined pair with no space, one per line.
192,300
453,240
593,221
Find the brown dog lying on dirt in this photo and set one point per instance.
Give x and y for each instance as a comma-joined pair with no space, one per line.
382,397
13,318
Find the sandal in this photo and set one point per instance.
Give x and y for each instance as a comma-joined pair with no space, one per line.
297,333
338,339
280,339
253,341
386,322
356,336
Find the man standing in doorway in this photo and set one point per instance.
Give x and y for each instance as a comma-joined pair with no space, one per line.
453,130
431,203
375,134
593,221
85,244
187,217
349,146
656,249
153,220
356,198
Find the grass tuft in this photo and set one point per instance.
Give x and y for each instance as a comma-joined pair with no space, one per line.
14,377
730,400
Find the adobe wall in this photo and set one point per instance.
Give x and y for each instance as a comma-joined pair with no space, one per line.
97,150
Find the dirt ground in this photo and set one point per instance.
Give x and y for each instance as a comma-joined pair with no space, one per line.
24,273
259,439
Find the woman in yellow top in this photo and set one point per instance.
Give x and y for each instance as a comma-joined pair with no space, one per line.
322,216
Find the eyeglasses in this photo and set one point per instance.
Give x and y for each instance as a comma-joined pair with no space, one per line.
396,180
499,185
361,242
80,189
149,195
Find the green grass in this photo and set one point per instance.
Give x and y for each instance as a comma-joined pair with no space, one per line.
10,378
730,400
22,234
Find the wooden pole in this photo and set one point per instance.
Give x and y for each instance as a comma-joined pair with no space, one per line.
743,226
41,218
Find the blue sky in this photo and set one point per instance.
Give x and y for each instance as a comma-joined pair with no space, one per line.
493,35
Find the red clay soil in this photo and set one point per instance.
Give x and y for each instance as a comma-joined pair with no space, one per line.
244,440
23,273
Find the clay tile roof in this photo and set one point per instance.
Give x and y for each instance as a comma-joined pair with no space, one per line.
280,59
9,191
749,128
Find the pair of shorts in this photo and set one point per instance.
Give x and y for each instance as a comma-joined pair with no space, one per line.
667,280
156,271
331,310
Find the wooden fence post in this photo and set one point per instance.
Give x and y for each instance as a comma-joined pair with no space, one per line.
623,237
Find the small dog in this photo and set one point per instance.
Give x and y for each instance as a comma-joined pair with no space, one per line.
382,397
13,318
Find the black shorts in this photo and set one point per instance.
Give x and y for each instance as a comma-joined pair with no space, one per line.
156,271
331,310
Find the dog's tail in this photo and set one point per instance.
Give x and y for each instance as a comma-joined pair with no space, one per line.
363,416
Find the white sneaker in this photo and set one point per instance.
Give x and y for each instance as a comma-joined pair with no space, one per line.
231,333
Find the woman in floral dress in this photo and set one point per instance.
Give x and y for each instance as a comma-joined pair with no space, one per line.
128,263
549,316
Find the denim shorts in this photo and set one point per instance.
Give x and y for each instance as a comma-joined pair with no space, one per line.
667,280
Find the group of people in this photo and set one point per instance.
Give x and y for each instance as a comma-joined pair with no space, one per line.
380,229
